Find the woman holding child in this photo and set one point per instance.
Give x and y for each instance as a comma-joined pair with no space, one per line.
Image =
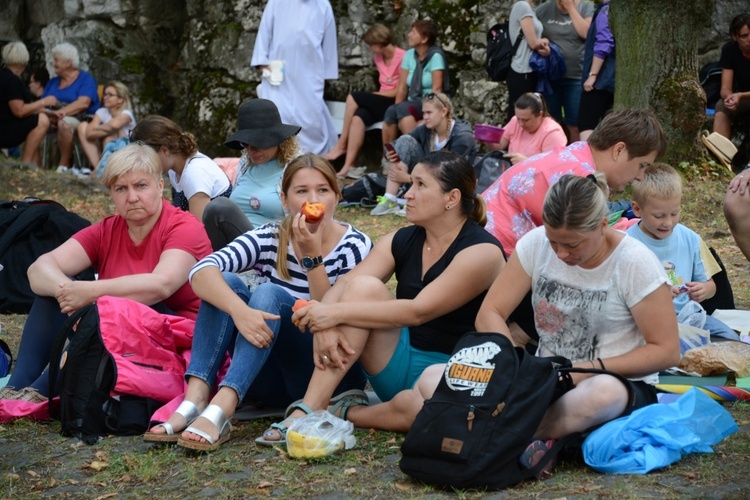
272,359
599,299
395,340
143,253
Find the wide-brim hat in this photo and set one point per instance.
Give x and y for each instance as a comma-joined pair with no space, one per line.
259,125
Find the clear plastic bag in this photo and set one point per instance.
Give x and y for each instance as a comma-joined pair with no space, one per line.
692,314
319,434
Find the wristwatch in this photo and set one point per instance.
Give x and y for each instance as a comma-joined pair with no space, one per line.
308,262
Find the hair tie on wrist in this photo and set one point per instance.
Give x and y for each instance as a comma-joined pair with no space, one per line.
601,363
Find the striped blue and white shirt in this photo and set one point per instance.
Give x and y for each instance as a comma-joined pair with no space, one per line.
258,250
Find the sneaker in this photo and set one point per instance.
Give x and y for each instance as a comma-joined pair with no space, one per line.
385,206
356,172
368,202
402,212
61,169
534,453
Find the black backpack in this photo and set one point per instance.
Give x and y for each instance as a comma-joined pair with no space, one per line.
489,167
370,186
29,229
500,51
87,374
482,417
710,78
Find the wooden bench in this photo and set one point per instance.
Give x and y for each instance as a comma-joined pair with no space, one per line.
337,110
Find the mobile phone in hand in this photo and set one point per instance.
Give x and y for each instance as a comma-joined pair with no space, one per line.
390,149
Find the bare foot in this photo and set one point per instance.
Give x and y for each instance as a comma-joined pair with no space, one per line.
334,153
342,173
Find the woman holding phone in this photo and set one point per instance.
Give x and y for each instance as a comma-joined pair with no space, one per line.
440,131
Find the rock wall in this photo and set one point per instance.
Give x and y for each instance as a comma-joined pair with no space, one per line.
188,59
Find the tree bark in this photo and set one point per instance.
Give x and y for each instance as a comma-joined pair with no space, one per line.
657,66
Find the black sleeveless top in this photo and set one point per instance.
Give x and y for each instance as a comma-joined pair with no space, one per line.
442,333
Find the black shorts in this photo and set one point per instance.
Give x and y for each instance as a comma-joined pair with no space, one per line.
371,106
14,132
594,105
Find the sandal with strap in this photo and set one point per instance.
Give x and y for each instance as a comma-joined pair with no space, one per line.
215,415
280,427
186,410
347,400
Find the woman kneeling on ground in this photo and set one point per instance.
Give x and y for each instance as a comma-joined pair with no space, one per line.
144,253
600,299
272,359
444,264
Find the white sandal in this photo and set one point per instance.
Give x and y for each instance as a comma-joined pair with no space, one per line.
186,410
215,415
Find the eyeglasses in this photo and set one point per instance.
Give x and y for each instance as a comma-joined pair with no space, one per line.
107,94
433,95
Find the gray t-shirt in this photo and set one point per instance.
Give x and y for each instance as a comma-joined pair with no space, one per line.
559,29
521,10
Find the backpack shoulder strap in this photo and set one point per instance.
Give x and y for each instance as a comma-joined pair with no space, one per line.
63,335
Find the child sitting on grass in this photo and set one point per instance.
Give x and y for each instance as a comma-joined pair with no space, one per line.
656,200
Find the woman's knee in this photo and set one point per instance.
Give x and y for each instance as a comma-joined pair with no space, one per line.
606,395
365,288
270,298
736,207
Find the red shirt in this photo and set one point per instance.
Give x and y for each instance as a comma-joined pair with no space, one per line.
114,254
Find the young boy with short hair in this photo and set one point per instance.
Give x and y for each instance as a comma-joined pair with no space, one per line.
656,200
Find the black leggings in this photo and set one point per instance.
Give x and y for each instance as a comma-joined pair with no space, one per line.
518,84
371,106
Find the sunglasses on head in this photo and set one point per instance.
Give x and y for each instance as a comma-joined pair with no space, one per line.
433,95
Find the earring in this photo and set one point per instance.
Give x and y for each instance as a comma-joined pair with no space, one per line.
447,207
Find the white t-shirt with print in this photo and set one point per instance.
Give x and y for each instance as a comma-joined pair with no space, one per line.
584,314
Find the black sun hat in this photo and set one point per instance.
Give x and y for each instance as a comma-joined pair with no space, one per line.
259,125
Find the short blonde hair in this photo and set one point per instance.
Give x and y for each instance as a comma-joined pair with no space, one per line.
15,54
660,181
134,157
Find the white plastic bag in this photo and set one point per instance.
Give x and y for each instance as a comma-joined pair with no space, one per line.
319,434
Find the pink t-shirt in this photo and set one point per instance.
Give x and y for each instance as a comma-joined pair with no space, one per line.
547,137
388,74
114,254
515,199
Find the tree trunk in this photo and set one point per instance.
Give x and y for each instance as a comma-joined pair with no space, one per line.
657,66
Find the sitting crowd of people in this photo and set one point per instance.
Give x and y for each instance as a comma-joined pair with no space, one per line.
518,259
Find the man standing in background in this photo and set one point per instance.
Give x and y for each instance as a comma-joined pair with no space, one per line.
296,51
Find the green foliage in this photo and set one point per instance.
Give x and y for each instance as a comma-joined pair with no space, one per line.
455,21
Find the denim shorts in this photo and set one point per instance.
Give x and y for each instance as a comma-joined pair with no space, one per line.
404,368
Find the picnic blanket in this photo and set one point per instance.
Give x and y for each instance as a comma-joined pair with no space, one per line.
720,387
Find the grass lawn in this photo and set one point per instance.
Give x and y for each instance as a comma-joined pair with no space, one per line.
36,461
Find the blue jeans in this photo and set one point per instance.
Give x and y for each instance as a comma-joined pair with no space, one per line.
276,375
719,329
567,96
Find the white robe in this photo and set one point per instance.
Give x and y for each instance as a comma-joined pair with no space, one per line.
302,33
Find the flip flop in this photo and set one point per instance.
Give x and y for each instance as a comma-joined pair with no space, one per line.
280,425
215,415
187,410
